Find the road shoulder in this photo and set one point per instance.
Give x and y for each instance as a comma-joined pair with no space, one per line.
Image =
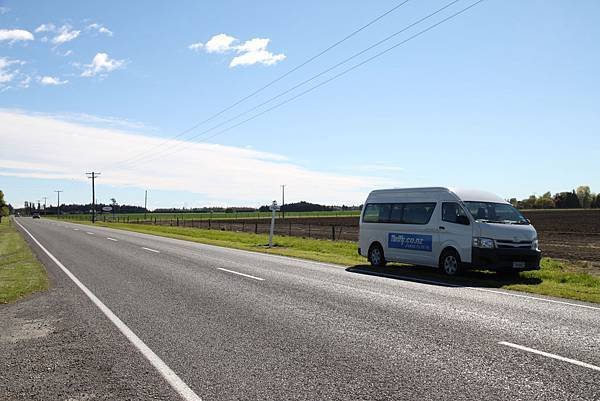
58,345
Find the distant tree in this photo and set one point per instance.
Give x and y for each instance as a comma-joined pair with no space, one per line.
514,202
585,196
545,201
3,206
529,203
573,200
596,203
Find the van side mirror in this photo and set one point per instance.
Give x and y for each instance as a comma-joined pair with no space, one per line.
464,220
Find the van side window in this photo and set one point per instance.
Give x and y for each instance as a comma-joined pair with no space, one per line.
417,213
451,211
398,213
377,213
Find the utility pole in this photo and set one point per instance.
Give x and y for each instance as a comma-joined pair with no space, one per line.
145,203
282,201
45,199
58,203
93,175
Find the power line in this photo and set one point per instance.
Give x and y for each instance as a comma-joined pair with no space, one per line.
262,88
344,72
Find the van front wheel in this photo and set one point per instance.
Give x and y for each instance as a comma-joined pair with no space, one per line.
376,256
450,262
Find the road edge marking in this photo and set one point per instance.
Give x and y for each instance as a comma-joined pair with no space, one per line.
549,355
241,274
165,371
112,239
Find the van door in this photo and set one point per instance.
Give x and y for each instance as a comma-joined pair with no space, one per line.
412,239
456,230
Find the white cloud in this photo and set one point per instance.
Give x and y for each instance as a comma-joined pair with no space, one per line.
25,82
99,28
254,51
8,72
256,57
196,46
253,45
14,35
47,80
220,43
45,28
250,52
65,34
57,149
101,64
4,10
105,31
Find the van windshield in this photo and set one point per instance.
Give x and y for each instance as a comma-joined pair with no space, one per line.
489,212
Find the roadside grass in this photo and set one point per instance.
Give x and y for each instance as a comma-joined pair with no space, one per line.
555,278
20,272
166,216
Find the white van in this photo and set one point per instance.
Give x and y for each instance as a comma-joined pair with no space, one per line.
450,228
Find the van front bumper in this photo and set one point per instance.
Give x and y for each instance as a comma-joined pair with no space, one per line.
506,259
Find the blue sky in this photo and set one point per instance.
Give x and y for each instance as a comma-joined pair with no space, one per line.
503,98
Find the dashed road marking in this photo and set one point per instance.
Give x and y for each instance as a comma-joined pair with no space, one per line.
241,274
150,249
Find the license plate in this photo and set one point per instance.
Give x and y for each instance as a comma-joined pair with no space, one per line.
518,265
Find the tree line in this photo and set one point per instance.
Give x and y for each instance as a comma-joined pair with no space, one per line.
582,197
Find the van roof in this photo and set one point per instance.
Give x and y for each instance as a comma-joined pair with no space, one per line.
463,194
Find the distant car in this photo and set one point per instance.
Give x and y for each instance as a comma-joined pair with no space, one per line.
35,215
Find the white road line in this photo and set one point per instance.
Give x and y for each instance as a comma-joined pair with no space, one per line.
87,232
241,274
549,355
169,375
536,298
150,249
75,229
112,239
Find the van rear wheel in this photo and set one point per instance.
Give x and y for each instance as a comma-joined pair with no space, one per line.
376,256
450,262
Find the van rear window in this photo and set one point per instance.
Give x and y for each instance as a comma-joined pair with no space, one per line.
399,213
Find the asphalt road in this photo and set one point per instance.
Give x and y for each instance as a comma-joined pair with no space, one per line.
236,325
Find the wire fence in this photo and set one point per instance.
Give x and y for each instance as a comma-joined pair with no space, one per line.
332,228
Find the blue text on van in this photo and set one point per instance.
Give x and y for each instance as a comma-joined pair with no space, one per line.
415,242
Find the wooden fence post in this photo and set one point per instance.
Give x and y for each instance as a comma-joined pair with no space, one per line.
332,232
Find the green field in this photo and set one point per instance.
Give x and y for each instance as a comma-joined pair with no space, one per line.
138,217
555,278
20,272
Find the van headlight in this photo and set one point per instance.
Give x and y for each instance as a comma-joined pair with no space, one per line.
535,244
485,243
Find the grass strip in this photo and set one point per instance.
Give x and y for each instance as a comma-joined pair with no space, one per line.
555,278
20,272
